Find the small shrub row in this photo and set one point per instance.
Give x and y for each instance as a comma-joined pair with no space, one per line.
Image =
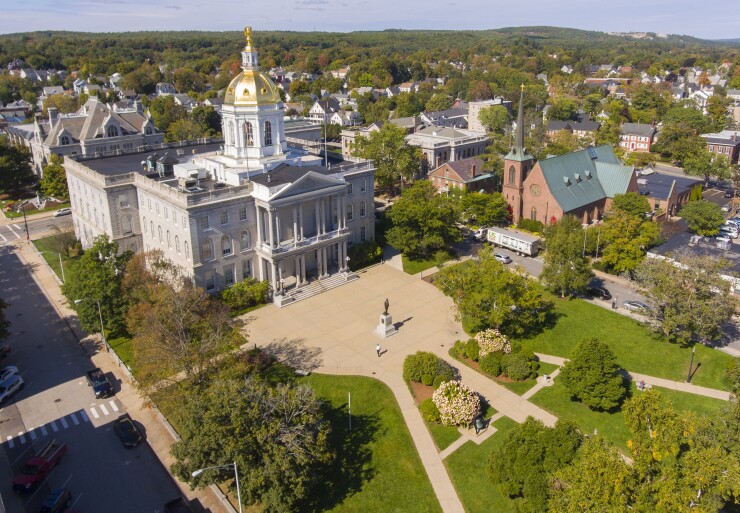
509,360
246,293
531,225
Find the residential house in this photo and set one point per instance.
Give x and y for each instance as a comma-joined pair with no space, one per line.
582,128
408,87
454,118
465,175
665,193
340,73
184,100
164,88
726,142
637,136
322,110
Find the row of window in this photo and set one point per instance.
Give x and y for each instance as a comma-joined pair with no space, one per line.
205,221
720,149
229,275
167,238
249,133
227,246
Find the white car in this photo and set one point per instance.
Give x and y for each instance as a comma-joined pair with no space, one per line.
10,387
8,372
504,259
63,212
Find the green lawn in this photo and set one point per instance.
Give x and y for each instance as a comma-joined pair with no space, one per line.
637,348
467,469
49,251
416,266
377,466
521,387
443,436
556,400
123,347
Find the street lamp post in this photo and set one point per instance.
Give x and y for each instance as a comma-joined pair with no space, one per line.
25,222
100,314
236,477
691,364
61,266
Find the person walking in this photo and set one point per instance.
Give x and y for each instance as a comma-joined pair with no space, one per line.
377,349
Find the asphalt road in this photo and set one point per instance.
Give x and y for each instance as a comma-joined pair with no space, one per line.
13,230
57,404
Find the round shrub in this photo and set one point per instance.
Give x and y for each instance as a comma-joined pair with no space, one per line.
458,350
472,350
458,405
427,379
516,366
438,380
429,410
492,340
491,364
416,365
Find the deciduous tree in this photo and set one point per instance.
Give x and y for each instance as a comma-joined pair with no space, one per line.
703,217
566,270
626,238
15,167
495,118
394,159
632,203
54,180
484,209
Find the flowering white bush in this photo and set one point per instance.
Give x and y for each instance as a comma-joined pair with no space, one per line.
491,340
457,404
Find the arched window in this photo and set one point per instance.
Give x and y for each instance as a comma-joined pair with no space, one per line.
64,140
246,241
268,133
112,131
512,175
151,228
159,231
127,226
533,214
177,244
226,248
187,251
350,211
363,207
248,133
206,250
169,242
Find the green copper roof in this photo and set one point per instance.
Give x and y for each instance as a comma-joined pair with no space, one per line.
583,177
518,152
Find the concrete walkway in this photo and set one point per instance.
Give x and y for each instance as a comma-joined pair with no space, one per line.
334,333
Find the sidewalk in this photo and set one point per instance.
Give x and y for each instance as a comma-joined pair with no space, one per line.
159,435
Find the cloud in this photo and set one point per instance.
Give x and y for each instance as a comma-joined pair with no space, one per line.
311,5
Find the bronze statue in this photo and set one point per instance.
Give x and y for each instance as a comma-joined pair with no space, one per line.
387,303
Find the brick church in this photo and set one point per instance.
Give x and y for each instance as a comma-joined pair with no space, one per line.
581,183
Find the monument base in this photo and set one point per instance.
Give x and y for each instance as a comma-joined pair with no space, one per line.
385,327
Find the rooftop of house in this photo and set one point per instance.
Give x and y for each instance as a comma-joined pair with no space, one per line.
659,186
467,169
641,129
731,137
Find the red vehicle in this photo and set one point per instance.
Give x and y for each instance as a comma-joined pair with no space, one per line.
38,467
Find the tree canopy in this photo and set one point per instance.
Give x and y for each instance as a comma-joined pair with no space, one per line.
593,376
15,167
395,160
627,236
703,217
566,270
54,180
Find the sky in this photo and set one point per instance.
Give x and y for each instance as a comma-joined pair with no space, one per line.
708,19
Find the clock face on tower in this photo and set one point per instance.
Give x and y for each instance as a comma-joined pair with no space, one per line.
535,189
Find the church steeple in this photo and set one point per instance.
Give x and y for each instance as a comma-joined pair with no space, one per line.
249,55
518,151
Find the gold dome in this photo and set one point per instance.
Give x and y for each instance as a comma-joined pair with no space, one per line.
251,88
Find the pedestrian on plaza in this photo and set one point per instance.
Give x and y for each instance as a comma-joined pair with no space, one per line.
377,349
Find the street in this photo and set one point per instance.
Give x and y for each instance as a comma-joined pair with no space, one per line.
12,230
57,403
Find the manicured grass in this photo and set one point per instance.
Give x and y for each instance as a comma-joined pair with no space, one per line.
416,266
48,249
121,344
377,467
467,469
557,400
443,436
521,387
638,349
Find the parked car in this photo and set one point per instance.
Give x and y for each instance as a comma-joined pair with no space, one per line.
728,232
10,387
636,306
480,234
504,259
63,212
99,382
729,193
59,500
7,372
599,292
38,466
127,431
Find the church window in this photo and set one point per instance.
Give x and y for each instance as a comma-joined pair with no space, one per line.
249,133
512,175
533,214
268,133
112,131
159,231
64,140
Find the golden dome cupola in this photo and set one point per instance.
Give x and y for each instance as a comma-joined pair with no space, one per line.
251,87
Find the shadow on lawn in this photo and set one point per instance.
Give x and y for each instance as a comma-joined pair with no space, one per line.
294,353
351,467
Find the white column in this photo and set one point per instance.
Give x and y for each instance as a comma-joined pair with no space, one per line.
295,226
280,274
259,226
300,215
298,270
261,264
273,278
277,228
323,215
303,268
318,219
344,255
271,227
325,266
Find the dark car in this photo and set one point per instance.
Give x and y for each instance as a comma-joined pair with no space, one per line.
730,194
127,431
99,382
58,501
599,292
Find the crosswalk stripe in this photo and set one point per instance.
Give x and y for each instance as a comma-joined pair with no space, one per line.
21,437
64,423
95,413
84,416
33,434
11,443
43,430
103,409
113,405
54,426
3,237
18,227
74,419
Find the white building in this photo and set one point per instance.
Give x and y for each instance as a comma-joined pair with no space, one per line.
250,207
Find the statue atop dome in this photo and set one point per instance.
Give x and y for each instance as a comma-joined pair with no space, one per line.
248,36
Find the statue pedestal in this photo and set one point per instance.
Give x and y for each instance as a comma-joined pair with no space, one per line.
385,327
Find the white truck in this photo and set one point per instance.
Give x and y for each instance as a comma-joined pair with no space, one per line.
522,243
